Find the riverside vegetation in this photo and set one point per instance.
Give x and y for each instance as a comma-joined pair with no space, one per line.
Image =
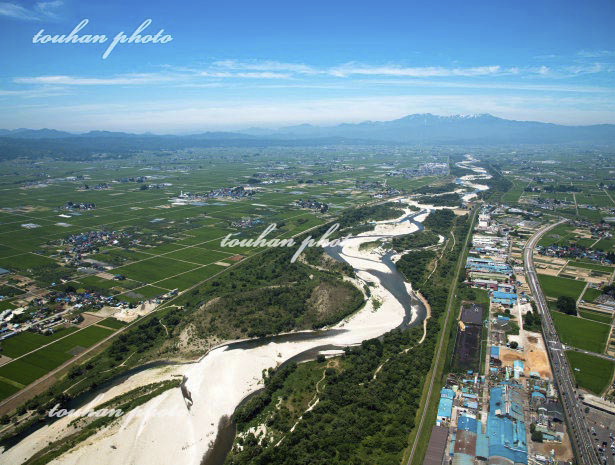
367,399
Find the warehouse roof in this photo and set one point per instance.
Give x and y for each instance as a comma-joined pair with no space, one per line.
467,423
445,408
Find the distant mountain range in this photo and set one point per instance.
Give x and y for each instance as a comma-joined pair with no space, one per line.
55,134
458,129
483,129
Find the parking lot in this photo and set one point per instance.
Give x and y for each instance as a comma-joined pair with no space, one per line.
603,434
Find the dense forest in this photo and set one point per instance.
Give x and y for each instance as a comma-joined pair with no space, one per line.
441,189
414,265
440,221
384,211
450,199
416,240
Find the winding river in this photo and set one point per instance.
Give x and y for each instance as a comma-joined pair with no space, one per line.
167,429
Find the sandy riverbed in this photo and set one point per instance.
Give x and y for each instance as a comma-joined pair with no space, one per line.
165,430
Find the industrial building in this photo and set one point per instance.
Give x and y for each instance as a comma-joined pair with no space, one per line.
445,407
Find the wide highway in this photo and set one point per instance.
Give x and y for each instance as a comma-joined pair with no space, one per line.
577,427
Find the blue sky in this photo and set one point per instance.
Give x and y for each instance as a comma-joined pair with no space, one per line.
273,63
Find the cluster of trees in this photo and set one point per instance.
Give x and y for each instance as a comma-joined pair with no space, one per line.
451,199
416,240
381,212
566,304
274,380
440,221
144,336
609,289
498,184
414,265
532,322
10,291
536,435
306,304
317,256
448,187
271,295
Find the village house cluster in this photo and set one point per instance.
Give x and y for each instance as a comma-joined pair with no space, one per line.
427,169
238,192
70,206
77,245
312,205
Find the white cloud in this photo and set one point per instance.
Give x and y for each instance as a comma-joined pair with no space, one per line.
127,79
592,68
40,11
16,11
249,75
428,71
596,53
145,78
544,70
267,65
424,83
302,75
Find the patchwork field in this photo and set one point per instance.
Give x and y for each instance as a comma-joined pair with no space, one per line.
32,366
592,373
554,286
581,333
601,317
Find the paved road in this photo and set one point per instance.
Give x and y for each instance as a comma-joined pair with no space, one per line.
595,354
573,408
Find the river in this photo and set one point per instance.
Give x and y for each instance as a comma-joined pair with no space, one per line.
168,429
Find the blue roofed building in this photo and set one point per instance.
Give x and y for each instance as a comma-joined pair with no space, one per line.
507,400
482,446
504,298
448,393
507,439
467,423
465,444
518,368
445,407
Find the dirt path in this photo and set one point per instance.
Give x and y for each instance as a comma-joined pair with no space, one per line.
311,404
